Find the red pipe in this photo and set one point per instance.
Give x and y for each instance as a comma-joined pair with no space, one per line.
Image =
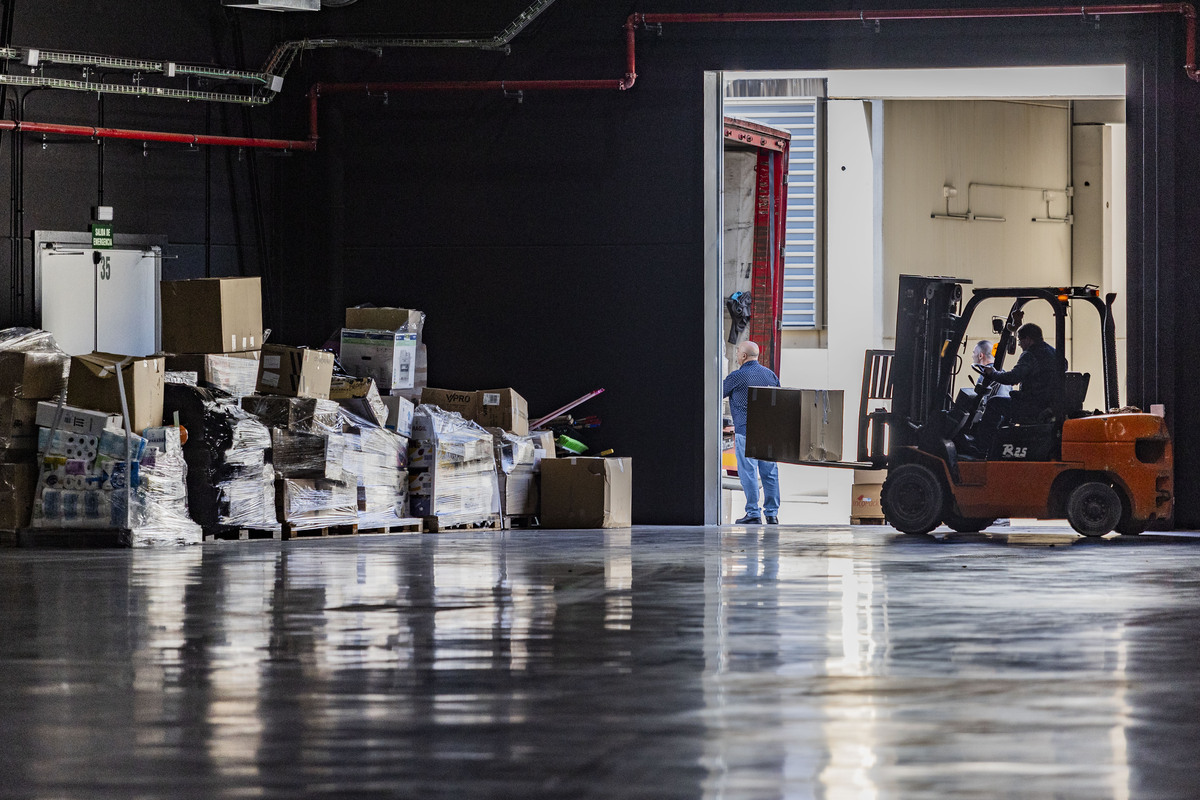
1187,10
154,136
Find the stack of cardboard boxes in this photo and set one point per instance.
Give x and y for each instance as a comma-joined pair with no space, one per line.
213,327
384,344
231,482
452,468
32,368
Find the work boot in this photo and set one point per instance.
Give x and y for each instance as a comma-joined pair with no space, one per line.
772,520
749,520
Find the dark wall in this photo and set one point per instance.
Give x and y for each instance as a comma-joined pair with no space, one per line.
557,243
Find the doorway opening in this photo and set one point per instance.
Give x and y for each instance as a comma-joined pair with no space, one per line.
1004,177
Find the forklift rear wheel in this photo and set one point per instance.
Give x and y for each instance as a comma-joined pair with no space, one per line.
913,499
1094,508
967,524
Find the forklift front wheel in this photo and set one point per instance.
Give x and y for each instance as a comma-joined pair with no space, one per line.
913,498
1094,508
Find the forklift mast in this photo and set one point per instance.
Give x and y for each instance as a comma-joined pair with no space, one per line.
922,370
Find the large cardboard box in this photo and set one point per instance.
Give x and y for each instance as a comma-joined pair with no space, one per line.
212,315
491,408
387,356
386,319
582,492
793,425
503,408
295,372
93,384
457,400
33,376
80,421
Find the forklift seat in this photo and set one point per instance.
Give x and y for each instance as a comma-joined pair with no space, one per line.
1075,390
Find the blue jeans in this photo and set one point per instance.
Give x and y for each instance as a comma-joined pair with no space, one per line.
749,471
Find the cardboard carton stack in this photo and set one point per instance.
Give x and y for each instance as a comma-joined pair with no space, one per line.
378,458
452,468
213,327
491,408
516,460
312,489
385,344
32,368
230,479
96,477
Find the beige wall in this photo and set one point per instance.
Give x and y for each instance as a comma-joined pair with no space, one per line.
929,144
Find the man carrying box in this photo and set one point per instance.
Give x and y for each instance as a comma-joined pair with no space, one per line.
751,373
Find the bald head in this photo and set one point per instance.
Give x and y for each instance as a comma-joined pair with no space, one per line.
747,351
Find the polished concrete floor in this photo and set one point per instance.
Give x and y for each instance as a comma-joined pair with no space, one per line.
796,662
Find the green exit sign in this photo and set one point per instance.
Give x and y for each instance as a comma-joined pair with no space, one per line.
102,235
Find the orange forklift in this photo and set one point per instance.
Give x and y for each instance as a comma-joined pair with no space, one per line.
1102,471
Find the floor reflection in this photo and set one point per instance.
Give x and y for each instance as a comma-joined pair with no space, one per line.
659,662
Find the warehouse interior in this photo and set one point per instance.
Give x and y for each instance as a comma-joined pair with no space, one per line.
545,180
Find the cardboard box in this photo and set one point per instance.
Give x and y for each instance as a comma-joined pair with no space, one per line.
386,319
18,428
304,414
400,414
82,421
18,484
543,447
875,476
316,503
295,372
457,400
212,315
307,455
491,408
93,384
33,376
387,356
518,492
582,492
794,425
233,373
864,502
502,408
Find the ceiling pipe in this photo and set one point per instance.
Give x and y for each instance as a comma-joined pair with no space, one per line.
155,136
1186,10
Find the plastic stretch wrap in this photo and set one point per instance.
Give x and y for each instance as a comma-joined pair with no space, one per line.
309,503
452,466
511,450
179,376
233,375
31,364
307,455
81,488
299,414
230,479
376,457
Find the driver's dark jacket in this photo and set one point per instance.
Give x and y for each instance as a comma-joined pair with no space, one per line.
1039,371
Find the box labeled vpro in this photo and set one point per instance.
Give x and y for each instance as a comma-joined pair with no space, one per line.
793,425
390,357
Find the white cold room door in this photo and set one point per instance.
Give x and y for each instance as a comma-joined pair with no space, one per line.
107,302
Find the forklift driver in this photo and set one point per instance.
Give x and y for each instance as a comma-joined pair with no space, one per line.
1039,372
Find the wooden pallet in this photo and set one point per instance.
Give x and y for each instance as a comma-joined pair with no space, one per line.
401,525
74,537
448,522
291,530
233,533
868,521
520,521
